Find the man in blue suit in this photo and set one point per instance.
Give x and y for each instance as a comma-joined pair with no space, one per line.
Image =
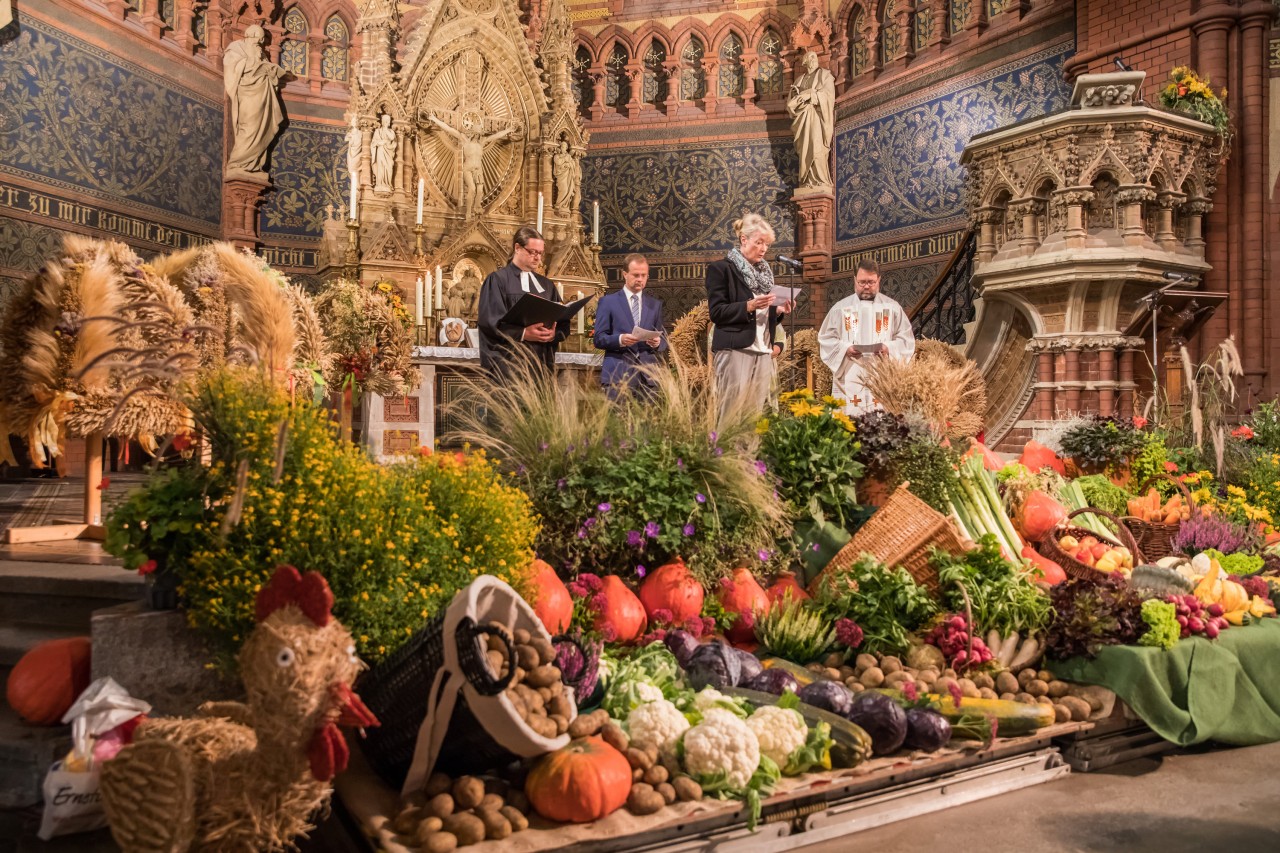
617,314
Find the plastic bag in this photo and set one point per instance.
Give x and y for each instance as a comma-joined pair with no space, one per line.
72,802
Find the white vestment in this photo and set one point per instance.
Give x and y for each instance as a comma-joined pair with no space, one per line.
856,321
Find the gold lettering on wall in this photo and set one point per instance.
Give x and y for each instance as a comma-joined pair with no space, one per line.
61,210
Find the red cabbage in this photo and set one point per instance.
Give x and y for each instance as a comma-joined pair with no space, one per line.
775,681
927,730
828,695
714,665
682,644
750,665
881,718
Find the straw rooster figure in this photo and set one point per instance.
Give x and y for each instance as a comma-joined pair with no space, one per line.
247,776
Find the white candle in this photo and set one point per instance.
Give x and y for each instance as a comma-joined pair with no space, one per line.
355,189
595,223
422,186
426,294
439,288
539,212
419,298
582,317
560,290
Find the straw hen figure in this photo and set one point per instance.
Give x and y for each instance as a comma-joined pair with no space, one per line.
247,776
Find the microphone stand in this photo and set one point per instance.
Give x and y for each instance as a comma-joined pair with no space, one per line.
1153,299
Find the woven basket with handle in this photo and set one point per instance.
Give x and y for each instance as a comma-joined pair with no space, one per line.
1049,545
1155,538
900,534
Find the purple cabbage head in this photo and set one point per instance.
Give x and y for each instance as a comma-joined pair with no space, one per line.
579,663
775,681
682,644
881,718
927,730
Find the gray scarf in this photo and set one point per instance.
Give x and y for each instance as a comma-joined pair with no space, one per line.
759,276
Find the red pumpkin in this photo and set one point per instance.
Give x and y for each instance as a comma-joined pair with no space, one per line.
1039,515
990,460
743,594
623,614
1036,456
582,782
48,679
554,605
785,583
1051,573
672,588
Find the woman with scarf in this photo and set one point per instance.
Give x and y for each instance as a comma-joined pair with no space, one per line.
741,305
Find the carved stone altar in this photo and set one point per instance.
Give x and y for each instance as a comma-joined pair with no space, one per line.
480,109
1079,216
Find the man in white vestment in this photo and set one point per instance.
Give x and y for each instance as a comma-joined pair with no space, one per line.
866,324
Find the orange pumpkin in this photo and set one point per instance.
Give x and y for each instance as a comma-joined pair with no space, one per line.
623,615
554,605
48,679
672,588
783,584
743,595
582,782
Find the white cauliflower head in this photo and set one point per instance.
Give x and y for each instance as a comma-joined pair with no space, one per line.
722,743
647,692
707,698
659,723
780,731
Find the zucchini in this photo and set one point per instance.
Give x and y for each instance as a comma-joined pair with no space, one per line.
803,675
1013,719
852,743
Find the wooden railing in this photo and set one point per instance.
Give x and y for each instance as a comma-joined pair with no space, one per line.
947,305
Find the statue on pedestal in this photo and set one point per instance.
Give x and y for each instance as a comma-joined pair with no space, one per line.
463,298
355,144
568,175
384,155
812,110
251,84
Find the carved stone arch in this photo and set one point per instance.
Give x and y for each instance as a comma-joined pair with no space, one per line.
1108,161
477,242
1102,213
611,34
681,33
771,19
592,46
729,23
651,30
384,96
562,126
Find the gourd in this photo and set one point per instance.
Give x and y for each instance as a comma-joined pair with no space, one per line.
582,782
743,595
785,583
622,612
1039,515
674,589
48,679
554,605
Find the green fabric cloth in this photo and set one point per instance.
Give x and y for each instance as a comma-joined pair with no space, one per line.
1225,690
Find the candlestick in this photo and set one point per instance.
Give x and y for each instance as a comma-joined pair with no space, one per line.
539,212
419,298
422,185
582,317
595,222
355,191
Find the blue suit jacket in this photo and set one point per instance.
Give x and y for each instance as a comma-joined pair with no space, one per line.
613,320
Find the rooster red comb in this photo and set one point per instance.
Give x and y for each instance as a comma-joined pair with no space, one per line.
310,593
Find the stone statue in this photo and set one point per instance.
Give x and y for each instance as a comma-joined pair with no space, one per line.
812,110
471,144
251,84
463,298
355,143
384,155
568,175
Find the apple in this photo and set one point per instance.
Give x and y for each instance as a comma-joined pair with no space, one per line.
1085,556
1089,541
1068,543
1099,550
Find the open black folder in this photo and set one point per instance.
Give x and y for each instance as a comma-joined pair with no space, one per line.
532,309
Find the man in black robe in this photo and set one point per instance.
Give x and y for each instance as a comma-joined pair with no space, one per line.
503,346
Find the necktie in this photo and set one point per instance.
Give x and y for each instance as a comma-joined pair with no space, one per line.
635,309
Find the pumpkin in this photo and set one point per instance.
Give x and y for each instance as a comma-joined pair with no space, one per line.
743,594
783,584
48,679
1051,573
623,615
1036,456
554,605
1039,515
579,783
674,589
990,460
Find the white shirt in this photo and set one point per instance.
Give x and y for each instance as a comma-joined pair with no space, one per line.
527,278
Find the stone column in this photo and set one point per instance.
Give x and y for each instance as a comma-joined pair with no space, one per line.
315,61
814,238
1125,408
749,72
546,182
672,103
1071,361
1210,46
1196,209
941,26
149,17
1255,18
1106,381
367,126
1075,199
1044,393
215,35
598,81
1027,209
183,18
240,201
1165,236
709,101
400,178
986,218
634,73
1131,198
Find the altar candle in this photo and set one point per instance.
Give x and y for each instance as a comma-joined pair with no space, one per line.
355,189
426,294
582,317
418,298
539,212
422,186
439,288
560,290
595,223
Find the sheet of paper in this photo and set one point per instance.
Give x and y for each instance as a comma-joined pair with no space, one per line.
646,335
784,294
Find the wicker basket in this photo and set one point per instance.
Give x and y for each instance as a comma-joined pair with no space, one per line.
1155,538
900,534
1049,545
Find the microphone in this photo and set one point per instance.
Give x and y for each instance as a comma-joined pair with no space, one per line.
1120,64
791,262
1174,276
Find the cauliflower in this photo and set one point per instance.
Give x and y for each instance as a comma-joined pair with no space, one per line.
722,744
658,722
647,692
708,697
779,731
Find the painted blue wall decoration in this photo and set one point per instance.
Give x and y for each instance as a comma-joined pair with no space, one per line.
308,171
898,166
78,117
674,199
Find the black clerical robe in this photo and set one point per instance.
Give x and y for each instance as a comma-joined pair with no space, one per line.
500,344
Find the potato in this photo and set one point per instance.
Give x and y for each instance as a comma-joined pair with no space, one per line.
468,828
468,792
644,800
1025,676
1058,689
982,680
543,726
545,648
561,722
438,783
1008,697
669,761
545,693
527,657
687,789
519,823
872,677
543,676
492,802
406,823
928,675
832,673
1061,714
949,673
559,706
656,775
435,841
943,685
890,664
1026,699
521,636
857,687
987,693
1007,682
1045,675
615,736
585,725
667,791
923,687
441,805
496,827
427,824
850,682
651,750
865,661
895,679
637,774
846,672
967,687
815,667
1044,700
1079,708
1036,687
497,662
833,660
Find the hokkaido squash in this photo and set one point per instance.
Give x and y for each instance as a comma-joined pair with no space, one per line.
783,584
674,589
1039,515
742,594
554,605
623,617
579,783
48,679
990,460
1051,573
1036,456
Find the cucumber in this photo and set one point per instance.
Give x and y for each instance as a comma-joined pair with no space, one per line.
852,743
1013,719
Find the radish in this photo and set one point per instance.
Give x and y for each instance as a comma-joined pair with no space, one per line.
1211,632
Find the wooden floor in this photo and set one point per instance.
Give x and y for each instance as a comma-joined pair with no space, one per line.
35,502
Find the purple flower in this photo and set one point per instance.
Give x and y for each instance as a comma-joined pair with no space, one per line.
569,449
713,437
814,546
719,451
688,530
520,470
640,570
680,462
561,483
634,539
590,522
700,498
582,533
604,507
761,468
652,530
607,443
543,447
763,554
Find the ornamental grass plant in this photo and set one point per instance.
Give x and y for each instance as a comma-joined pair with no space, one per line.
627,486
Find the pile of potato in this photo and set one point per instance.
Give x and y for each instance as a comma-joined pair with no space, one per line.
536,690
451,813
1028,685
657,779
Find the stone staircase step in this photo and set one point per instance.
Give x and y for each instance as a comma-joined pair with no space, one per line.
61,594
26,752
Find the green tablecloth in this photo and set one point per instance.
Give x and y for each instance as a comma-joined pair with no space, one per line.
1226,690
